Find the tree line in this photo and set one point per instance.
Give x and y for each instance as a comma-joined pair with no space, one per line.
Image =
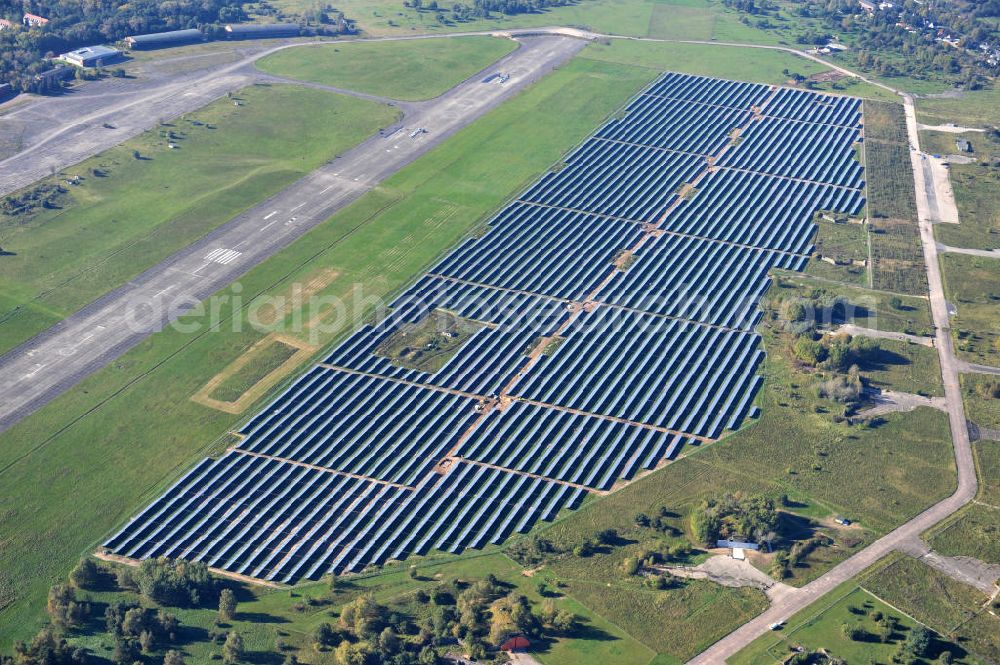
898,40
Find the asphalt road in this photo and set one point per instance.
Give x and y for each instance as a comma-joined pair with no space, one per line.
45,366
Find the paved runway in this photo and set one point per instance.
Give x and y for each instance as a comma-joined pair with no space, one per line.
45,366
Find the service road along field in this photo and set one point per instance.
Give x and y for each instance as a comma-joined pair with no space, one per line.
48,364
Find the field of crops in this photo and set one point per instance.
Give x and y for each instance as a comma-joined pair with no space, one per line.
609,325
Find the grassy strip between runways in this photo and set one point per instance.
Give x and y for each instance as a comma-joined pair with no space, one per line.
86,462
411,70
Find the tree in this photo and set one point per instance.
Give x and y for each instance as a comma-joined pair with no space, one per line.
389,642
564,622
126,651
232,650
918,641
136,154
227,605
64,611
353,654
324,635
548,613
607,537
147,641
86,575
809,351
852,632
134,621
173,657
174,582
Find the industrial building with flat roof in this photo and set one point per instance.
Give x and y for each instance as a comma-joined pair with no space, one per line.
161,39
91,56
262,30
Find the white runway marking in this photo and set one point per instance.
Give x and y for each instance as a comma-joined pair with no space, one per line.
223,256
297,207
270,214
268,224
38,366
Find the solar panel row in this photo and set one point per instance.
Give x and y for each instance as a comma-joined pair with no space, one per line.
581,449
618,179
363,460
759,210
526,250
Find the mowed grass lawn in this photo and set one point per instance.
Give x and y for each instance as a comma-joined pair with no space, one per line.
127,214
411,70
82,465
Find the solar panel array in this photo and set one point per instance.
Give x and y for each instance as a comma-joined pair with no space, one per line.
612,306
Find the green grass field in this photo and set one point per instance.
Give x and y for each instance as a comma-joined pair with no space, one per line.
120,436
974,531
972,285
951,608
697,613
981,407
127,214
988,464
820,626
410,70
266,361
732,62
976,108
684,19
844,244
904,366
